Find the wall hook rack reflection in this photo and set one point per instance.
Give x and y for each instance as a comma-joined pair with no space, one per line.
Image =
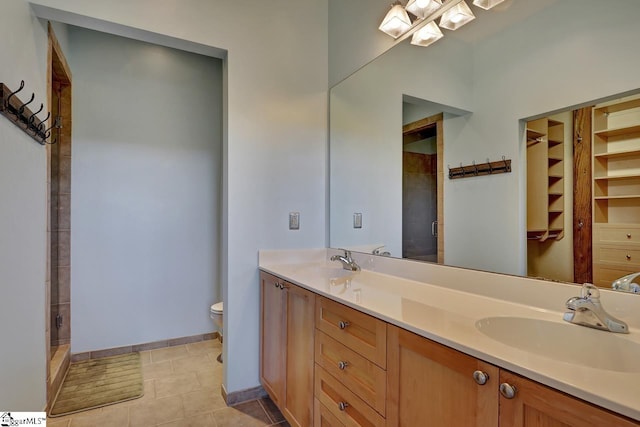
17,112
477,169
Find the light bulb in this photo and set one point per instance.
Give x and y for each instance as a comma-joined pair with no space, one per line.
427,35
487,4
423,8
457,16
396,22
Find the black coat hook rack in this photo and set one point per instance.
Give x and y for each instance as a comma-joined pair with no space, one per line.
17,112
487,168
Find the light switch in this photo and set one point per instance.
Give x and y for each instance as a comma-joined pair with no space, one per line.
357,220
294,220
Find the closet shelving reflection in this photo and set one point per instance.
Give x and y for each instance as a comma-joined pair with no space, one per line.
545,179
616,189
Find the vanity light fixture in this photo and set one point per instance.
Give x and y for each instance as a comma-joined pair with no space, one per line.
397,21
423,8
418,18
457,16
486,4
427,35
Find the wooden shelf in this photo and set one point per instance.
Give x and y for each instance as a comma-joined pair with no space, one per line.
617,105
620,153
624,176
628,196
623,130
533,134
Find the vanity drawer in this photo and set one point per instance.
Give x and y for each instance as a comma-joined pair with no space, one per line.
629,256
360,332
323,417
358,374
604,274
617,233
343,404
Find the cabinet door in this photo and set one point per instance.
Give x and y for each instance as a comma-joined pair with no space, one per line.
536,405
272,337
429,384
298,405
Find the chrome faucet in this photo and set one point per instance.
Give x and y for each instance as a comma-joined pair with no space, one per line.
586,310
628,283
347,262
378,251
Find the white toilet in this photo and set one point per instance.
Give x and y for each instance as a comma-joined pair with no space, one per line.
216,314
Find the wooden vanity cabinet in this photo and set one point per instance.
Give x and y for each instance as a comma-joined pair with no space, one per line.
323,416
351,360
272,337
428,381
325,364
536,405
286,347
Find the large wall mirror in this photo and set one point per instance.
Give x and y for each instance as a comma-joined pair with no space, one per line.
485,94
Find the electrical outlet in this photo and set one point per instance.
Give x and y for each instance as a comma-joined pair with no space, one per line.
294,220
357,220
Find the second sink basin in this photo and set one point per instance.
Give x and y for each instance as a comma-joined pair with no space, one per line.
564,342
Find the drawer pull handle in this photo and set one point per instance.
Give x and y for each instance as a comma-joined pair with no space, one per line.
343,365
343,405
628,235
508,391
343,325
481,377
628,257
277,285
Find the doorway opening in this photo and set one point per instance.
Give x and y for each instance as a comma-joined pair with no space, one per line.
59,217
422,190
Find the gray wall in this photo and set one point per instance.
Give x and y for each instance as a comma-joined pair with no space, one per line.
146,191
354,38
275,136
23,186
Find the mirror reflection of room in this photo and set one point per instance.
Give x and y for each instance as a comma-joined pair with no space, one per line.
489,80
583,193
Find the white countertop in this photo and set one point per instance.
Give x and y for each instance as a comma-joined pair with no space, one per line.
447,304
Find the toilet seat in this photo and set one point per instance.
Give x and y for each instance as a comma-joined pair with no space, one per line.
217,308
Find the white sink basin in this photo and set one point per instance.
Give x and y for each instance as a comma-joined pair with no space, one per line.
564,342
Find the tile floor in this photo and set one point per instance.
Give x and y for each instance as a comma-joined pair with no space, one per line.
182,389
